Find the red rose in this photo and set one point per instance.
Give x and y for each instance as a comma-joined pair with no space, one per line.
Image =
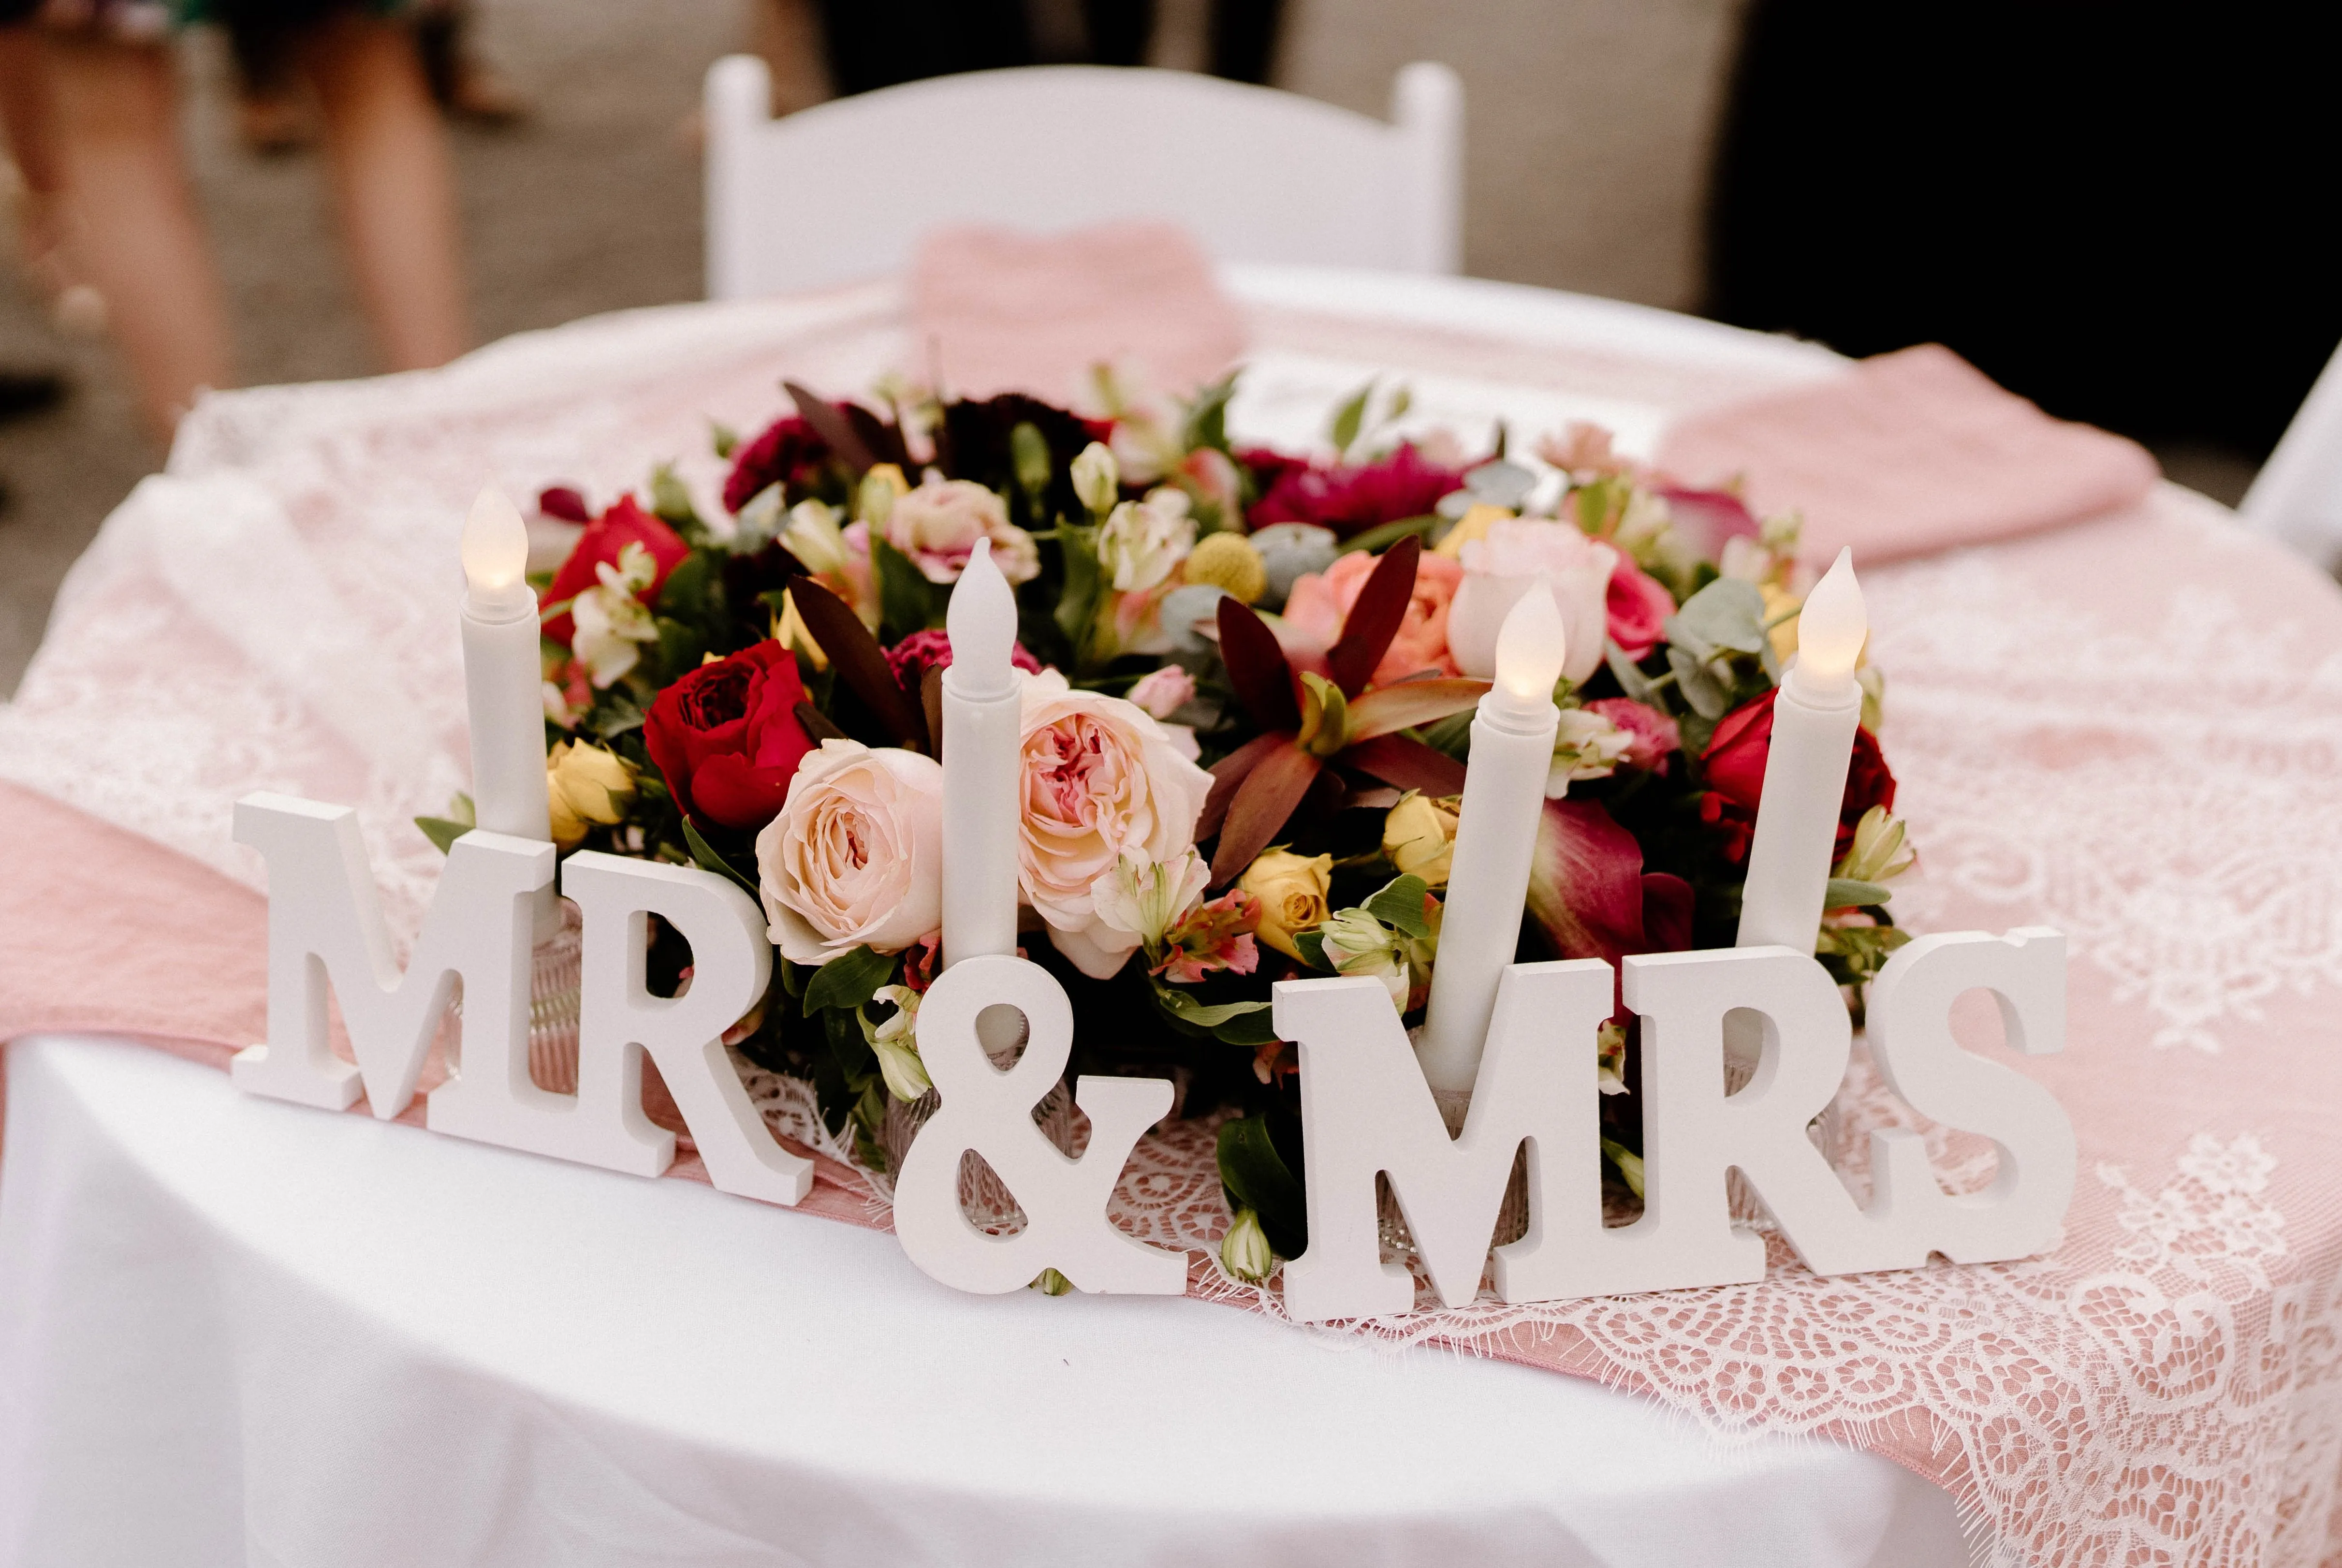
1734,764
1348,499
1639,607
625,522
726,739
916,655
783,453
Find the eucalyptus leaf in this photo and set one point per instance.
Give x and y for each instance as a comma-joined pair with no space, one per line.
1709,697
1500,483
848,980
1727,613
1631,680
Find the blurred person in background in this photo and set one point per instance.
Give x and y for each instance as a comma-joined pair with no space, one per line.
132,227
274,112
32,150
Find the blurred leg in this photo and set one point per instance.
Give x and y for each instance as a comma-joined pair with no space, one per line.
393,184
134,229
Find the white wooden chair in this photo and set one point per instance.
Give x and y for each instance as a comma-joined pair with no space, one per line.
2298,496
843,190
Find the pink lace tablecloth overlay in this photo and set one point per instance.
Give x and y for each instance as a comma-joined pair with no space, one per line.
2130,729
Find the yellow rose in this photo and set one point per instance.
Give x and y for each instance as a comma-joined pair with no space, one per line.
1292,892
588,786
1419,837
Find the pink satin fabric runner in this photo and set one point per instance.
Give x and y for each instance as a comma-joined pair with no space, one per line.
1912,453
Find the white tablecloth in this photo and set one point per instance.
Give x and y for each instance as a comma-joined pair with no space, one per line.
238,1332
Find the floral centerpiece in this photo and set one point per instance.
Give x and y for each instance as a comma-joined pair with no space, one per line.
1250,675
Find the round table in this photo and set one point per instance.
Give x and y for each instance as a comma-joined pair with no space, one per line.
236,1331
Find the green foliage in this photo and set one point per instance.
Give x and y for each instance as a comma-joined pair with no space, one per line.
1349,419
723,438
1399,905
1208,416
707,858
443,832
1255,1177
1846,892
1384,536
1028,450
848,981
1078,605
907,602
1232,1022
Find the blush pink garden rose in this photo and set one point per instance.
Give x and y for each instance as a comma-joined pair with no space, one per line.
1320,603
1499,567
938,525
1102,780
856,856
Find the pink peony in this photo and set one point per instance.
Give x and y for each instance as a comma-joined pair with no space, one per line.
1102,780
1656,737
1639,605
1348,499
1320,604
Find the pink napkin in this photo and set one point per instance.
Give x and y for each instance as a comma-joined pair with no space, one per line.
1912,451
1006,312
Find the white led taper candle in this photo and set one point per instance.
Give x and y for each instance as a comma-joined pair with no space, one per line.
1495,836
1815,716
982,702
504,682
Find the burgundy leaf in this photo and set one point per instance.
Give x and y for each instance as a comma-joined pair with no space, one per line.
832,427
1229,773
817,724
880,439
1375,617
1408,764
1667,913
1257,667
1403,704
1263,802
931,704
1585,883
860,663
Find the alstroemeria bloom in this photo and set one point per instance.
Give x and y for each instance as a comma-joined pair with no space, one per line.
611,624
1586,745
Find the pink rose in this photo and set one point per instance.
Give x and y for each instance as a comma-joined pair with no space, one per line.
1501,566
1101,780
1320,603
938,524
1656,737
855,858
1164,692
1639,607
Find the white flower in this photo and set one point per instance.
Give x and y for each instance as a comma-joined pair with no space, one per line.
856,856
814,536
1359,944
1501,566
895,1043
1144,542
1097,478
612,624
1149,901
1586,745
1102,780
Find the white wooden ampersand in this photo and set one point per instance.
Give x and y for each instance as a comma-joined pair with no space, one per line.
990,1112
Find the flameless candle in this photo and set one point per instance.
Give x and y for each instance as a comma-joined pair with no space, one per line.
1815,716
1495,836
504,682
982,702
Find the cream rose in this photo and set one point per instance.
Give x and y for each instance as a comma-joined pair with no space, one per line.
938,524
1499,568
1101,780
856,857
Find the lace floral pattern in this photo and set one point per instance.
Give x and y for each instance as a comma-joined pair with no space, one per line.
2132,731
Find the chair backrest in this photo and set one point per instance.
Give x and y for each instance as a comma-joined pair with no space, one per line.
2297,494
843,190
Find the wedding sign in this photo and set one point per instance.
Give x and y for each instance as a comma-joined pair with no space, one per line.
1546,827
